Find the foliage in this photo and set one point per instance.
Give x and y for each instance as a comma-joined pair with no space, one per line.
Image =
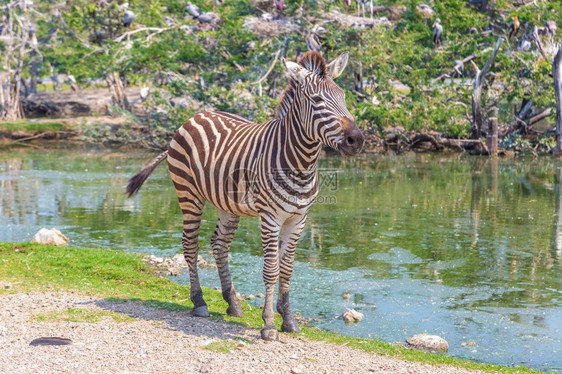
33,127
217,65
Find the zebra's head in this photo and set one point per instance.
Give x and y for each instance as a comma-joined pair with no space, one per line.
321,103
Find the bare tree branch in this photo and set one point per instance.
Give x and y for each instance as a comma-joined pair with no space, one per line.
477,120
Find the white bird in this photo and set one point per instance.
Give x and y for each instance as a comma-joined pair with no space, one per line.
437,32
72,81
56,81
128,18
458,68
361,4
144,93
193,10
267,16
208,17
524,46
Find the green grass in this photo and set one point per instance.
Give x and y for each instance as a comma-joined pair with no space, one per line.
32,127
122,276
80,315
222,346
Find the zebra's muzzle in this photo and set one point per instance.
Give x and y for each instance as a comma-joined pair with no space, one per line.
353,138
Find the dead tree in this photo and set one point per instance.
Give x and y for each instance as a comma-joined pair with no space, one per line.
557,73
16,28
358,85
477,118
115,85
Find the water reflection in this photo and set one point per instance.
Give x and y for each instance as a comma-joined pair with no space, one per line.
464,247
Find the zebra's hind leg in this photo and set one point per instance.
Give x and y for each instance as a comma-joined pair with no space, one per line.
289,236
220,242
192,210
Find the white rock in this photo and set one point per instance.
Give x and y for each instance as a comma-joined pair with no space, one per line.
50,237
297,370
428,342
352,316
180,259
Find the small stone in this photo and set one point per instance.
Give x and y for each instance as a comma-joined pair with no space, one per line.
352,316
428,342
297,370
260,295
239,296
294,356
468,344
180,259
346,296
201,262
251,297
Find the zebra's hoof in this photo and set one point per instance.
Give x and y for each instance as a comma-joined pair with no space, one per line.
235,311
268,334
290,325
200,311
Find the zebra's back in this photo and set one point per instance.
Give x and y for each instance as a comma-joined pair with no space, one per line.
213,156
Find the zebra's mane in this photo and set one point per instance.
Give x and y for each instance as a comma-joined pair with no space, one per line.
311,61
314,62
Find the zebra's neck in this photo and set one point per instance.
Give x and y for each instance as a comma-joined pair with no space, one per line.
297,149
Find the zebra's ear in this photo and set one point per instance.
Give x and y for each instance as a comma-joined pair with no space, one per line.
296,71
336,67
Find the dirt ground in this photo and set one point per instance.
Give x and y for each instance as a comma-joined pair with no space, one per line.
153,340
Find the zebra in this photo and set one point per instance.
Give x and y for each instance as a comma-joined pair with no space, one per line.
264,170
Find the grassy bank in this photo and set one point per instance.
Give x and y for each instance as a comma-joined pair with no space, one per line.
118,275
33,126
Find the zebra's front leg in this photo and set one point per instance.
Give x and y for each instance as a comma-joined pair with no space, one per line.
220,242
269,237
289,236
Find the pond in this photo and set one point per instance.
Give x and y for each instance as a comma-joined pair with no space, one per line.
467,248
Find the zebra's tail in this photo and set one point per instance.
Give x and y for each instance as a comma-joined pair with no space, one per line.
138,179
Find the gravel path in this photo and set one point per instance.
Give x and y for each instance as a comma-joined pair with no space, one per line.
158,340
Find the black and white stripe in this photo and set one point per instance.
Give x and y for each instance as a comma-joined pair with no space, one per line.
266,170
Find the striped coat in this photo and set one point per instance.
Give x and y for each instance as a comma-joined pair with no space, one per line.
267,170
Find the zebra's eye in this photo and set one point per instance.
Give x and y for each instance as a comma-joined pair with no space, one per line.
317,99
